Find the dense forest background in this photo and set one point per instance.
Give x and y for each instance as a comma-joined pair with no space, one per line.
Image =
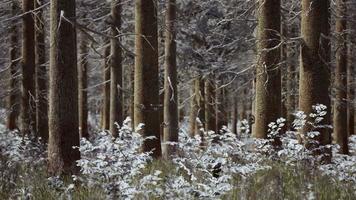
177,99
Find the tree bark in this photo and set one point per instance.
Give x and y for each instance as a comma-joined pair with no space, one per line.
194,108
12,103
314,79
83,84
268,75
340,104
234,114
63,91
28,114
146,75
351,73
41,76
170,82
116,94
106,95
210,106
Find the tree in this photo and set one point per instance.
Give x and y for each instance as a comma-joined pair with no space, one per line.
146,91
194,107
210,104
314,79
268,75
28,94
351,71
116,85
41,76
170,82
106,91
63,90
82,86
340,105
13,69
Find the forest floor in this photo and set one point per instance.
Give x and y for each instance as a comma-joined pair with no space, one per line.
234,168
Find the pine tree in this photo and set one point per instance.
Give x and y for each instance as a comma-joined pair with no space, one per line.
146,91
63,90
268,75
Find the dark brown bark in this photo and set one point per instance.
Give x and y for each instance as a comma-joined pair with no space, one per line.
28,113
210,104
106,88
41,76
340,104
221,114
170,82
351,72
63,91
83,84
201,102
234,114
12,101
116,89
194,108
146,75
268,75
314,80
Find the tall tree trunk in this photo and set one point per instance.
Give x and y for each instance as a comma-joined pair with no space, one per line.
116,94
13,69
41,76
170,82
106,92
146,75
194,108
314,73
351,73
201,102
83,84
210,106
63,91
268,75
221,114
28,114
340,104
234,114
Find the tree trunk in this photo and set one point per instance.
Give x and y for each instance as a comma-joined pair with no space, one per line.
41,76
28,114
146,75
170,82
351,73
234,114
13,69
268,75
83,84
340,104
106,95
116,94
194,108
63,91
314,80
221,114
210,106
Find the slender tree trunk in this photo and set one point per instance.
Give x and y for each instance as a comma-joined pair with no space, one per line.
13,69
351,92
194,108
170,82
83,84
351,73
41,76
201,102
146,75
63,91
234,114
210,106
28,114
268,75
132,106
315,54
290,101
116,100
106,95
340,104
221,114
